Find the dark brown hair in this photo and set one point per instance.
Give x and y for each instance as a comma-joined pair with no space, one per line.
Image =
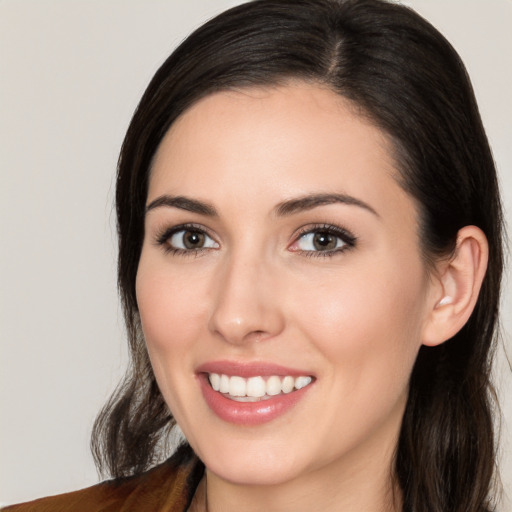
405,76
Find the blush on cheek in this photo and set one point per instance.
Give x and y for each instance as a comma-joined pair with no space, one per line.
171,315
367,321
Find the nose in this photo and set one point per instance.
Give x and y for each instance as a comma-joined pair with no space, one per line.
245,304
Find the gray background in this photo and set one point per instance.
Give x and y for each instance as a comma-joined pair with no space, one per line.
71,73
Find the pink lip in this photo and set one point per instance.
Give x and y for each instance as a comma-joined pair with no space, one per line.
248,413
247,370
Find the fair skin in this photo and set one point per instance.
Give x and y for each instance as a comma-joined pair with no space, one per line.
335,289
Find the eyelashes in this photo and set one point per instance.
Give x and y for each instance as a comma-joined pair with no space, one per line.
186,239
318,240
323,240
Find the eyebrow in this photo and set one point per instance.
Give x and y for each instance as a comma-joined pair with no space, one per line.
183,203
288,207
310,201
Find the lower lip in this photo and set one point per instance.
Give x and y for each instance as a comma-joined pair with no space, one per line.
249,413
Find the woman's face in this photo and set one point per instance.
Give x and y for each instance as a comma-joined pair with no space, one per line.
281,253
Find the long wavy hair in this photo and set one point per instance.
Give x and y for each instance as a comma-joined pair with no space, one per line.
404,76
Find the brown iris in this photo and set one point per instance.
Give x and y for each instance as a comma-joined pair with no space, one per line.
193,239
324,241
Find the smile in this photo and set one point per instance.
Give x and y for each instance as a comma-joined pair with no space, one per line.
252,393
256,388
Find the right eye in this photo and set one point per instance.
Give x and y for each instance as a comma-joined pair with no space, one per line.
188,239
185,239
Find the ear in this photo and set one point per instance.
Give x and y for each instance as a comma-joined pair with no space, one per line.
455,287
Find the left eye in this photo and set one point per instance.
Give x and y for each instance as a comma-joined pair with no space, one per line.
321,240
188,239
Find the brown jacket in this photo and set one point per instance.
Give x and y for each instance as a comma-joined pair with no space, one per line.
168,487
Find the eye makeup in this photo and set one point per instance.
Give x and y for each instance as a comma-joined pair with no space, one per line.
313,240
322,240
194,241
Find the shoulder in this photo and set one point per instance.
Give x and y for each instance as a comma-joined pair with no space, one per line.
168,487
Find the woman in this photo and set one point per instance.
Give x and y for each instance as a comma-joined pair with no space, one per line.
309,261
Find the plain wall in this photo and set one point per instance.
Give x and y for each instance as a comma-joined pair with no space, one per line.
71,74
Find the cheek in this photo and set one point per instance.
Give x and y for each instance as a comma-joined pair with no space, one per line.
171,320
169,310
367,323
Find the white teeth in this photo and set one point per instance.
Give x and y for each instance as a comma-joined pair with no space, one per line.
302,382
215,381
237,386
255,388
273,385
288,384
224,384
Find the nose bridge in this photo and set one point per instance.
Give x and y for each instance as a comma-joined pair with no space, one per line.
244,305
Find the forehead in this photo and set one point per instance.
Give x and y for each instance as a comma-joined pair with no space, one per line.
275,143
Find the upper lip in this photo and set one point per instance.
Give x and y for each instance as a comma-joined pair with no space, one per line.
249,369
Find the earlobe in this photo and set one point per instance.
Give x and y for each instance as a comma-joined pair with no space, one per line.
457,287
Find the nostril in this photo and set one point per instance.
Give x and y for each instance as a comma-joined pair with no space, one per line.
257,335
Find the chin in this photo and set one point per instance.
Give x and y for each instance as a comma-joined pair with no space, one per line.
254,464
243,472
